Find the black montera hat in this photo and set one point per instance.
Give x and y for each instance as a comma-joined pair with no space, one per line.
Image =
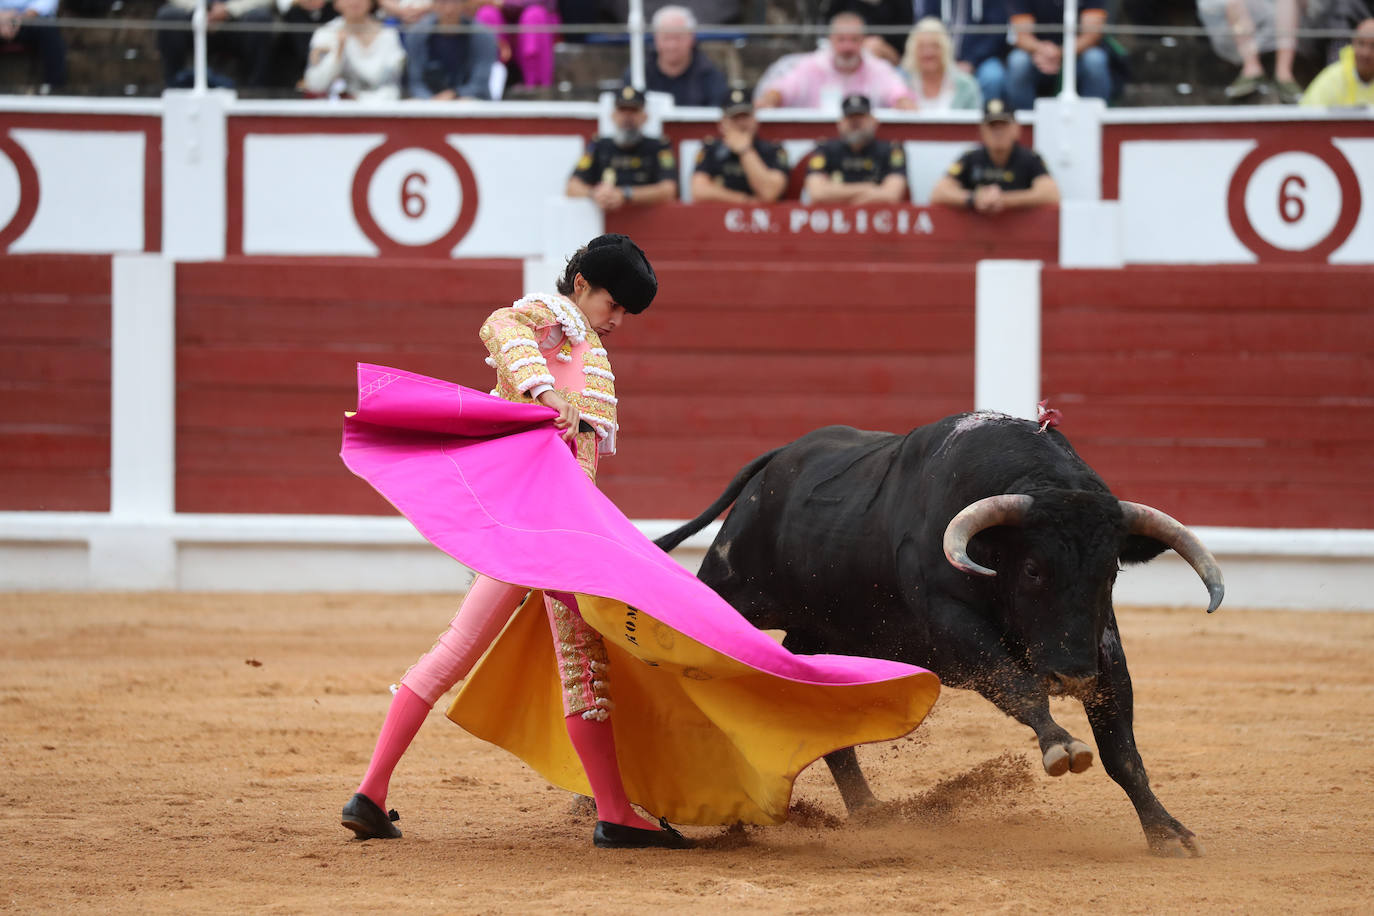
738,101
856,105
618,265
629,97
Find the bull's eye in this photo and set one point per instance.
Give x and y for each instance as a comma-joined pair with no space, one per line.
1032,570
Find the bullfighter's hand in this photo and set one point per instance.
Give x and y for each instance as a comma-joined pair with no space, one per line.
568,414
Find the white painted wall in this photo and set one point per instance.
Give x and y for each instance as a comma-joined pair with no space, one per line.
90,191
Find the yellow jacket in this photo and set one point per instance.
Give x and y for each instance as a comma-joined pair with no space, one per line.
1339,86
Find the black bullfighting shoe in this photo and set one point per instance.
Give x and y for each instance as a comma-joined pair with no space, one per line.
618,836
364,818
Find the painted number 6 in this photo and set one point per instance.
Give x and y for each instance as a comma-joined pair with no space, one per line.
1291,206
413,202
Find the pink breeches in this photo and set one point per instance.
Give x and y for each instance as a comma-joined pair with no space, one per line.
489,604
485,609
533,51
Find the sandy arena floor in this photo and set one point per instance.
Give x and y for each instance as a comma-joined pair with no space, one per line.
190,753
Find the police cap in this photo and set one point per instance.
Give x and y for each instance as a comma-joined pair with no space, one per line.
616,264
629,97
856,105
739,101
995,110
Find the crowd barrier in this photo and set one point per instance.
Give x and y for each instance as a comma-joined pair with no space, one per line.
175,372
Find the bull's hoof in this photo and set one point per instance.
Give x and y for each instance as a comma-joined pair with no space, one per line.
1056,760
858,803
1060,759
1177,842
1080,756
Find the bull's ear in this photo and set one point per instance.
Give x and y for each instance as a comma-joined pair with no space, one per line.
1137,548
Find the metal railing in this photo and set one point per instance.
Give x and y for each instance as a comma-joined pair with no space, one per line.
1181,41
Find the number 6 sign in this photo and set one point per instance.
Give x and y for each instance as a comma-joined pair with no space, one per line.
415,198
1294,202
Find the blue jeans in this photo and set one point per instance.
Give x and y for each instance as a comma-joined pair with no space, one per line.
1024,82
992,78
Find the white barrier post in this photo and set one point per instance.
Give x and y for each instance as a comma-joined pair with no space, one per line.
1007,337
194,162
137,550
569,223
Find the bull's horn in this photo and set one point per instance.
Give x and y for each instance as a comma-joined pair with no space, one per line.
1008,509
1146,520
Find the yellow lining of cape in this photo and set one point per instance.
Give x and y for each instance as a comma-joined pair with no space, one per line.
701,738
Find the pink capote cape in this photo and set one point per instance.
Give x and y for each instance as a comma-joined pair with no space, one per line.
713,719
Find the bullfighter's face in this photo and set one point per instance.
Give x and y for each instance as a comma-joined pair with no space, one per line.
598,306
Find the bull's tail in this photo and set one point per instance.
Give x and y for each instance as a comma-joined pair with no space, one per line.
676,537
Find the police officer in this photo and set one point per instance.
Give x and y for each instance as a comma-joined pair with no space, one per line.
1000,174
737,166
626,167
856,167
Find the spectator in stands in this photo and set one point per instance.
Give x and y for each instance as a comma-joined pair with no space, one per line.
929,61
532,51
293,50
627,168
449,65
1035,65
356,56
999,174
1350,80
26,22
738,166
981,54
678,66
896,15
248,46
828,74
856,167
1285,37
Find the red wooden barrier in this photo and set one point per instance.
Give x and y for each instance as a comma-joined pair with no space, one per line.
55,383
266,350
730,361
840,235
1229,396
1240,396
734,359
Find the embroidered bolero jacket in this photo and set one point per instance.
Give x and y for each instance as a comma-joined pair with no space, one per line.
541,342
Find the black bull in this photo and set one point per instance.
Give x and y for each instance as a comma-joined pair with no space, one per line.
979,547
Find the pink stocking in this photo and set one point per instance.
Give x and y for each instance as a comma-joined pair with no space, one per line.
403,720
594,742
485,610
